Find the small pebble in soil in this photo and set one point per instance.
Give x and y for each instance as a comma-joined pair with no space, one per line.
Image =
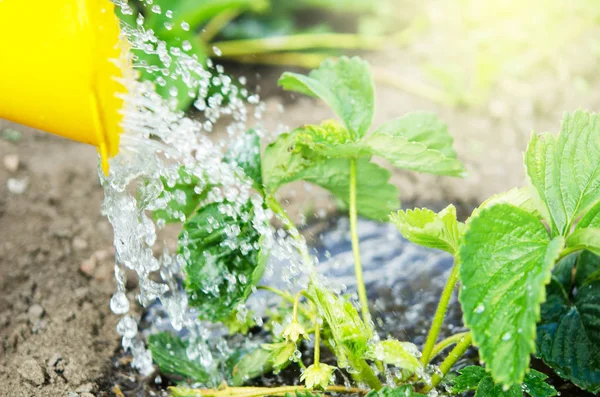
86,388
31,371
11,162
17,186
87,266
74,374
35,312
79,244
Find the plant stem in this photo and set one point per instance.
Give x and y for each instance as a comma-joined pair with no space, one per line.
566,252
298,59
295,307
217,23
299,42
317,343
288,297
256,391
447,364
360,283
440,313
437,349
366,374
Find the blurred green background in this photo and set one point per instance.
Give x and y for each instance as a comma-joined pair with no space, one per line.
463,46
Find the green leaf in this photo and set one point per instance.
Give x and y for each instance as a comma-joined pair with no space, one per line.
341,318
334,175
421,149
281,163
329,139
425,227
519,197
506,260
251,365
468,379
487,388
590,219
222,259
399,354
269,357
535,385
569,331
565,171
192,12
169,353
242,326
346,85
401,391
588,264
183,194
476,378
424,128
174,81
245,154
413,155
587,232
585,239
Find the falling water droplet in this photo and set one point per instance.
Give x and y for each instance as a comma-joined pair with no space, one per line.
119,304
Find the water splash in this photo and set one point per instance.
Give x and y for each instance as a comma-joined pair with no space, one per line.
158,141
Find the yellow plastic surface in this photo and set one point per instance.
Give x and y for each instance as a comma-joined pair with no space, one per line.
60,61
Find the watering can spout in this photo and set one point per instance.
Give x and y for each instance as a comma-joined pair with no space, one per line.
62,69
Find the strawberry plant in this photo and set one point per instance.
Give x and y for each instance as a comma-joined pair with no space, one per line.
526,260
529,266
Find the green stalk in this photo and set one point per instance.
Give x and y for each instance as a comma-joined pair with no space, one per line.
300,42
360,283
295,307
288,297
256,391
218,22
297,59
440,313
317,352
447,364
451,340
366,374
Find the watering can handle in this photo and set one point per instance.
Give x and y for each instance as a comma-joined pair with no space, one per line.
62,69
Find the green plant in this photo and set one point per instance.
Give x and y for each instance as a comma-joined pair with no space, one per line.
528,260
223,268
528,264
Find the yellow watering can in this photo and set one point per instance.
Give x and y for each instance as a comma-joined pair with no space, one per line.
60,61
